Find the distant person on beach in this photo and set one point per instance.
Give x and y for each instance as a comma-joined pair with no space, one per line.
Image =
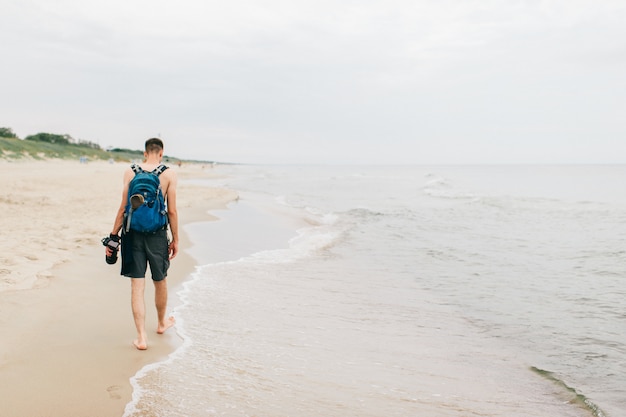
139,249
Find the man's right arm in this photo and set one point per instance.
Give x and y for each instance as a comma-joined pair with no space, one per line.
119,218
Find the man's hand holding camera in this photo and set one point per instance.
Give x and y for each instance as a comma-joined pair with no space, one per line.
112,245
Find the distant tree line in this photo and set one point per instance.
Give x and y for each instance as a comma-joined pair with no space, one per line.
124,150
7,132
50,138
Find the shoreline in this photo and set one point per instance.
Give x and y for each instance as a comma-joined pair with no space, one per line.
67,347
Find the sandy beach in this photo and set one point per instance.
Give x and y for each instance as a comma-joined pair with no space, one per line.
65,314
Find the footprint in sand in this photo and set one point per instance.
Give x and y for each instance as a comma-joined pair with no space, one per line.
113,392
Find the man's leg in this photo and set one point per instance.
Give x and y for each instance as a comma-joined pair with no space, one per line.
138,305
160,299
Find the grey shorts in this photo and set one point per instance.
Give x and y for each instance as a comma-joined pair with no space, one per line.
143,249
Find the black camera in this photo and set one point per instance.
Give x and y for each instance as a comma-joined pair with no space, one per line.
113,243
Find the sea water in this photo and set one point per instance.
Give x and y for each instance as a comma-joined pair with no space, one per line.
403,291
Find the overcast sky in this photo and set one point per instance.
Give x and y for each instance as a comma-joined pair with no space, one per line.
343,81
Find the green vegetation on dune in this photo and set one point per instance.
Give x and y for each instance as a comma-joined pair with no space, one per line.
13,148
53,146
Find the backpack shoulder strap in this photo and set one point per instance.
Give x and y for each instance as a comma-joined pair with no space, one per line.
159,170
136,168
156,171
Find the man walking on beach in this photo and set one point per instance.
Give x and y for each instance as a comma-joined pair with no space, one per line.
140,249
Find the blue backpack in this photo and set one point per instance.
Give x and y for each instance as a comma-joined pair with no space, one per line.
145,209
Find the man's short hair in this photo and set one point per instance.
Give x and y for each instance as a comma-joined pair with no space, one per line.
154,145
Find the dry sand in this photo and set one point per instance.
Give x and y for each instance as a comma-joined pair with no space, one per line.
65,314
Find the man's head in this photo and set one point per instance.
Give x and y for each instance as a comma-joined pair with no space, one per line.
154,145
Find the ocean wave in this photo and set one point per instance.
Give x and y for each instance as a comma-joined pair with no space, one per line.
578,397
440,187
309,240
363,213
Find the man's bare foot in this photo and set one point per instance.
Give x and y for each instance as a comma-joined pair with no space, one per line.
140,344
169,322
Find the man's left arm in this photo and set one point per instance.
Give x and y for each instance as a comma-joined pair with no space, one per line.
172,213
